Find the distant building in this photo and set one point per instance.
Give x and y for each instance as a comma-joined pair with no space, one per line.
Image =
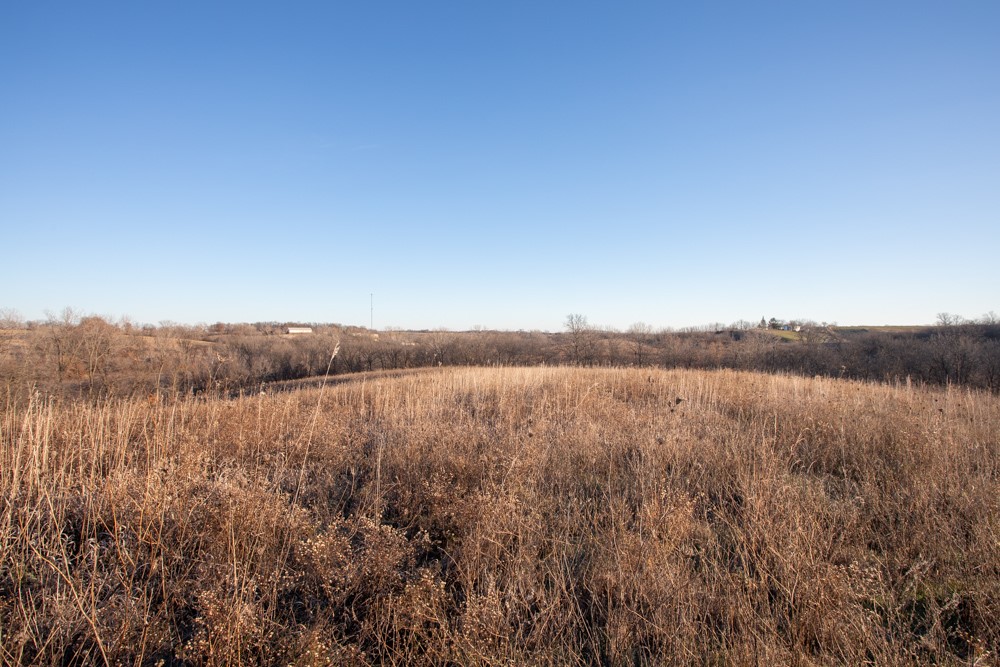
298,330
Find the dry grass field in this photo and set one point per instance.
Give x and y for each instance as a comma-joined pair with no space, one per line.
506,516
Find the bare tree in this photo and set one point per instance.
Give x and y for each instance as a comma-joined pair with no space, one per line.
580,335
96,343
988,362
639,334
948,319
440,344
11,319
62,343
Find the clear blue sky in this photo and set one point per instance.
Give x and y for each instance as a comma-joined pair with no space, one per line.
501,164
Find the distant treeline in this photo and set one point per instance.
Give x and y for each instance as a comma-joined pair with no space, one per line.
89,356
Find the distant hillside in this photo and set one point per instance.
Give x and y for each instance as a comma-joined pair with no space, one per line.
92,357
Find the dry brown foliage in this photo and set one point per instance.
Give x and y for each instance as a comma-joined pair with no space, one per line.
506,516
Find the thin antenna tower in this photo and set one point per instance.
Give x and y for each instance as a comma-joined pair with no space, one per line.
371,312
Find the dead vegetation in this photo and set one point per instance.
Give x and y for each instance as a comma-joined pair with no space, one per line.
89,357
506,516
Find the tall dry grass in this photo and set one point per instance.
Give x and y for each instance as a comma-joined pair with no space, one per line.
507,516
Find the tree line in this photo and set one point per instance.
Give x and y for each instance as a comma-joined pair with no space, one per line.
75,355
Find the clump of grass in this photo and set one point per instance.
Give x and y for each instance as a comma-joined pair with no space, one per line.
485,516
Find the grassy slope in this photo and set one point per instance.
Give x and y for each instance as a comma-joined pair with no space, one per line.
481,516
784,335
885,328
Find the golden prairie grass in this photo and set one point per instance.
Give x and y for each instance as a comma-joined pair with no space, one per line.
507,516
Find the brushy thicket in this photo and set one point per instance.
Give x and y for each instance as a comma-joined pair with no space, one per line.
507,516
90,358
